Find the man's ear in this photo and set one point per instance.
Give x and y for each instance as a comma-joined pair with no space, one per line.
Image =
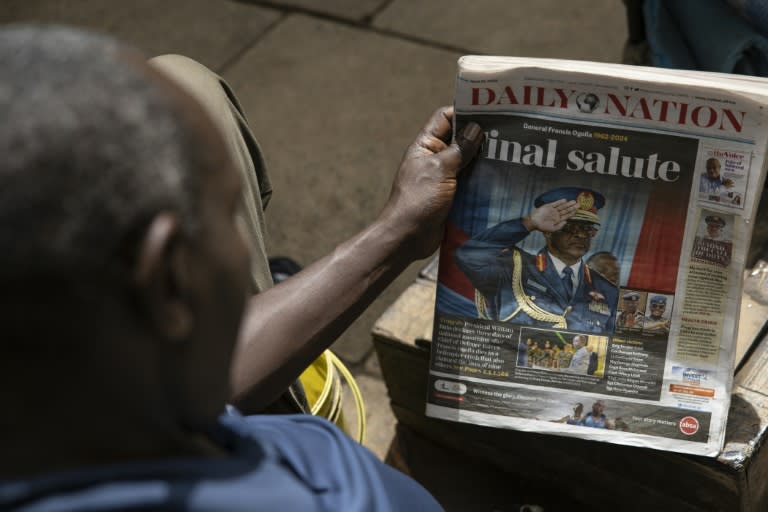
161,278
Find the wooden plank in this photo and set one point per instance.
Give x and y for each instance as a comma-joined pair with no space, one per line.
410,317
461,482
753,312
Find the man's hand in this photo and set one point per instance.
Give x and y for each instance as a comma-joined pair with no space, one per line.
551,216
425,183
728,183
658,325
286,327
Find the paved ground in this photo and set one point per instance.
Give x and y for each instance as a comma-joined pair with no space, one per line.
335,90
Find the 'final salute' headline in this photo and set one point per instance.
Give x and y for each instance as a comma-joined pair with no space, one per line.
611,161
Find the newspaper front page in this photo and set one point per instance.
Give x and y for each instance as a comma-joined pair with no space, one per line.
590,274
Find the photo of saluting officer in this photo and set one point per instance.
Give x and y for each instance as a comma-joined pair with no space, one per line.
554,287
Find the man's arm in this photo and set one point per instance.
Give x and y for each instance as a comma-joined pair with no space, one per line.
288,326
657,325
482,257
479,256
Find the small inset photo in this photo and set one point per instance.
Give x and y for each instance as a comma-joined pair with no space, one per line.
657,317
582,354
723,177
715,226
713,242
631,310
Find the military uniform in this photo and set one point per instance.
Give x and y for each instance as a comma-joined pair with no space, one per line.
548,358
655,325
532,355
564,359
658,325
539,357
629,321
513,285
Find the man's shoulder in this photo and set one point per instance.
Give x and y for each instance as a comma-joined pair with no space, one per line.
597,277
252,476
604,285
296,462
509,256
307,444
528,257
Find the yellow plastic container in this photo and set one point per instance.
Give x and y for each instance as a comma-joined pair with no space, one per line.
323,386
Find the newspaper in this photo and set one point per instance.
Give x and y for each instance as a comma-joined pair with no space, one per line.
591,271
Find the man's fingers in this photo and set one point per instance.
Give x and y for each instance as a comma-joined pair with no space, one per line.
435,141
463,149
564,206
469,141
567,210
440,124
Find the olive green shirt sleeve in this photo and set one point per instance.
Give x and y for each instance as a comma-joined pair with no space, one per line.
220,102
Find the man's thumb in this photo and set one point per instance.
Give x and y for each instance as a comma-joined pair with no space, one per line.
464,148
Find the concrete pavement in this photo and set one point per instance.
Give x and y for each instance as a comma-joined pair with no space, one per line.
334,91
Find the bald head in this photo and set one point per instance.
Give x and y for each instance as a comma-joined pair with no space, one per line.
122,273
92,147
712,166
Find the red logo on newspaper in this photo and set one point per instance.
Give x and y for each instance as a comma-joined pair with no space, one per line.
689,425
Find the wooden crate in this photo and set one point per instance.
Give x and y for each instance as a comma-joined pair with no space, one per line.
544,469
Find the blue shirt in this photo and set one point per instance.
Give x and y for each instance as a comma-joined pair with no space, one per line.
296,462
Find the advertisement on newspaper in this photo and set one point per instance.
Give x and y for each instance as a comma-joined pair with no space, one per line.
587,275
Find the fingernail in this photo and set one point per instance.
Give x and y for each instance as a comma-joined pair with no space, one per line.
471,131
